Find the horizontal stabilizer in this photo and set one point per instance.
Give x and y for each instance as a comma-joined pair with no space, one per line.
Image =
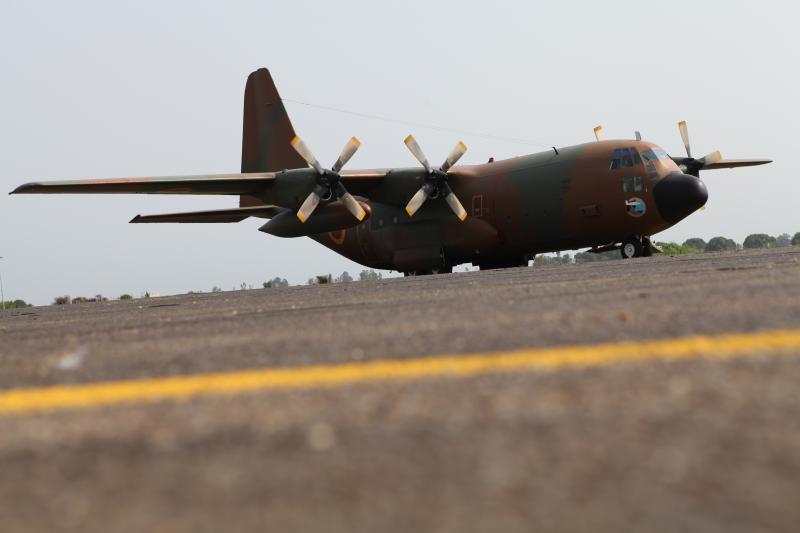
734,163
236,214
208,184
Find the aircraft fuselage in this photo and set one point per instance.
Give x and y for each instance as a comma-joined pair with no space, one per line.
574,198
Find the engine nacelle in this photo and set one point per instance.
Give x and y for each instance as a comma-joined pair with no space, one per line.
330,217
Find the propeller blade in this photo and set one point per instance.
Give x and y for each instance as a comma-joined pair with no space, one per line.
598,133
713,157
455,154
412,145
304,151
455,205
685,137
311,203
416,201
638,135
347,152
353,206
350,203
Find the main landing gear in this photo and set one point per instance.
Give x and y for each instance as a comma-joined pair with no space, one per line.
636,246
440,270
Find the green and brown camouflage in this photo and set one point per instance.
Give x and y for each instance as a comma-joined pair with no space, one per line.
600,195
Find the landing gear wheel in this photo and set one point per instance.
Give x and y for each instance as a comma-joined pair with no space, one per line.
631,247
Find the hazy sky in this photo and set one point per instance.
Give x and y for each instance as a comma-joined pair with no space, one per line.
109,89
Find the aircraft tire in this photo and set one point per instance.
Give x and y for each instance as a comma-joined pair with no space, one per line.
631,247
440,270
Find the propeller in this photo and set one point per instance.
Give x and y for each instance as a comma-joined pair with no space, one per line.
329,182
689,164
598,133
436,180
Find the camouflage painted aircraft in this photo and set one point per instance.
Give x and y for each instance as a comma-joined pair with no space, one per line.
604,195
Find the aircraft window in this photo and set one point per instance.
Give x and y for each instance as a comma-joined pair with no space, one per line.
627,184
477,205
616,160
625,157
652,155
632,184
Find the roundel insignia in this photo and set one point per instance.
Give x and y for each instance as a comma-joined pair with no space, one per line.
338,236
635,207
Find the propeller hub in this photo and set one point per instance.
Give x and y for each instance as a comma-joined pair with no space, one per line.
328,182
435,180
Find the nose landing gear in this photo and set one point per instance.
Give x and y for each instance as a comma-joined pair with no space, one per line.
636,246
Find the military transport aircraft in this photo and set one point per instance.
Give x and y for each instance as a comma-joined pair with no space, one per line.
604,195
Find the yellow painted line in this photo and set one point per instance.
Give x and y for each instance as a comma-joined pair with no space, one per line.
539,359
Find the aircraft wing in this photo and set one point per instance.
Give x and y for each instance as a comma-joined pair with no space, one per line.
362,182
236,214
207,184
734,163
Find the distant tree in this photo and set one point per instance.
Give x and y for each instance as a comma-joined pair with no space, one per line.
671,248
720,244
345,277
784,239
62,300
369,275
796,239
275,283
215,289
696,243
759,240
100,298
16,304
320,280
80,300
126,297
591,257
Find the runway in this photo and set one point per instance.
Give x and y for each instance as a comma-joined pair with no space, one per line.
654,394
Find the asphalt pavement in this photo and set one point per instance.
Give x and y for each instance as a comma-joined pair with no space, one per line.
704,442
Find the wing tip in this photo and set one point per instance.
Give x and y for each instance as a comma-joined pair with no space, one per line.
135,220
25,188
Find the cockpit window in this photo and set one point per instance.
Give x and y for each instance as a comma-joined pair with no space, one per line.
656,153
650,157
625,157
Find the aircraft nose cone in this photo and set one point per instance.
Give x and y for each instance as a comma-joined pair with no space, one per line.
679,195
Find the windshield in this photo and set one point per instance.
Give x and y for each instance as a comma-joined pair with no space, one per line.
654,154
625,157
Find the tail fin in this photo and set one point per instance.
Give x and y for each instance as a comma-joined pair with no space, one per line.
267,131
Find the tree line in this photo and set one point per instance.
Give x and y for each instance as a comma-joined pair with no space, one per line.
689,246
694,245
274,283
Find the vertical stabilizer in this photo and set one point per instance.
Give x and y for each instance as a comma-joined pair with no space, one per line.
267,130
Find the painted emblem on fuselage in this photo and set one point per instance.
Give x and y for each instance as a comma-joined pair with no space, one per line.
635,207
338,236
